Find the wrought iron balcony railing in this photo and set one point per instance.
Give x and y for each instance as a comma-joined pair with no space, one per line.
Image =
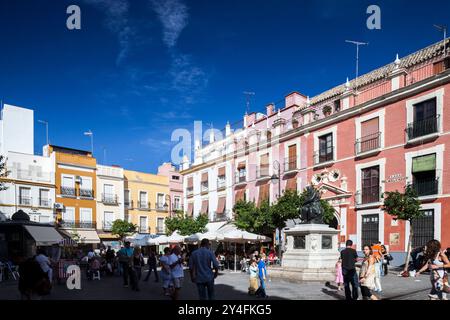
240,177
373,195
190,191
262,172
426,186
45,203
86,193
78,224
143,205
107,225
368,143
422,128
290,164
161,207
221,183
324,156
25,201
204,187
68,192
111,199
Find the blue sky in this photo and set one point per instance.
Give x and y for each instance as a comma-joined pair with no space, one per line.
138,69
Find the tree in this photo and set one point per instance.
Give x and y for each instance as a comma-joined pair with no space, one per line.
3,172
245,215
123,228
186,225
404,206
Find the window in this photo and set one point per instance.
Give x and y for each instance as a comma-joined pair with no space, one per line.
263,166
25,196
423,229
176,203
190,186
68,215
337,105
143,225
108,194
160,225
425,119
85,215
160,201
86,188
370,136
424,175
370,185
242,172
291,163
127,201
44,200
176,178
143,200
108,219
204,182
326,148
68,186
264,193
369,229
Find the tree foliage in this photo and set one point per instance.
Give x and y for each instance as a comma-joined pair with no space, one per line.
3,172
186,225
123,228
403,206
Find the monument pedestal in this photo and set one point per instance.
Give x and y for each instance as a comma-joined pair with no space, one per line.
311,254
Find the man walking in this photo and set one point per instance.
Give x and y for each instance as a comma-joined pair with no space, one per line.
125,255
349,257
152,265
261,292
200,264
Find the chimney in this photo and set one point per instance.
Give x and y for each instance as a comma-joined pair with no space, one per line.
227,129
270,109
294,99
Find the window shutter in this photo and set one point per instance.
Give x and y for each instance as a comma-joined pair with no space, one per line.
369,127
221,205
424,163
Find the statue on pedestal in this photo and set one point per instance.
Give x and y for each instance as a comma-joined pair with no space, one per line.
311,211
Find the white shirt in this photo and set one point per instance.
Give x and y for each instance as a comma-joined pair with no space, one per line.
177,271
44,262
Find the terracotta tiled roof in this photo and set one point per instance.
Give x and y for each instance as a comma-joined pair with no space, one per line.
406,62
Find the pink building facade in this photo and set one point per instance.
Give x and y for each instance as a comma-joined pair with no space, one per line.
353,142
175,186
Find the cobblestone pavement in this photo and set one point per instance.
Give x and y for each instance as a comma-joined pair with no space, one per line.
229,286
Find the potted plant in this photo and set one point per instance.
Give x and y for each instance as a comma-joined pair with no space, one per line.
326,110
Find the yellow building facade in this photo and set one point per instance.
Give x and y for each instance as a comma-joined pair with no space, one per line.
146,201
76,192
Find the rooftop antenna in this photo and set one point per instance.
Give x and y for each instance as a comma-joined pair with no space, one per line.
357,43
444,30
248,95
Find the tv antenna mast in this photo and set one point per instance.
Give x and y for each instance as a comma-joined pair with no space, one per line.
357,43
248,95
444,30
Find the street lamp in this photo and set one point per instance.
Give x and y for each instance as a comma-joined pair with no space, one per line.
91,134
275,177
46,128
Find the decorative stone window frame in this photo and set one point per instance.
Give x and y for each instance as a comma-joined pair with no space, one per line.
439,95
360,214
437,222
359,167
381,116
439,151
332,130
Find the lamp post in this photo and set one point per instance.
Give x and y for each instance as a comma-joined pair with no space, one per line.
275,177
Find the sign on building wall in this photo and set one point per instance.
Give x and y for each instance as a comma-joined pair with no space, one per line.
394,239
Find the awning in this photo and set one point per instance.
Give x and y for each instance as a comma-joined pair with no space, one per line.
190,211
291,184
221,172
43,235
190,182
87,236
240,195
241,166
221,205
424,163
205,177
204,206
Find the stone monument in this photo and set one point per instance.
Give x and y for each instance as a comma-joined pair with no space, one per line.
312,246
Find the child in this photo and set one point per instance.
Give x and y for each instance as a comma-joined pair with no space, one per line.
253,269
339,276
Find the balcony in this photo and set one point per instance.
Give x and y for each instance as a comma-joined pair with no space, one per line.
143,229
107,225
365,198
426,186
262,172
87,193
161,207
25,201
68,192
240,178
324,157
110,199
143,205
422,130
78,224
190,192
290,165
221,183
368,145
45,203
204,188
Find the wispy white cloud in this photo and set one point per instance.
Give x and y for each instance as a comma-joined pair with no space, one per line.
117,21
173,15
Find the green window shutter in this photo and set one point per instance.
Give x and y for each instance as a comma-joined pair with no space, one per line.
424,163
